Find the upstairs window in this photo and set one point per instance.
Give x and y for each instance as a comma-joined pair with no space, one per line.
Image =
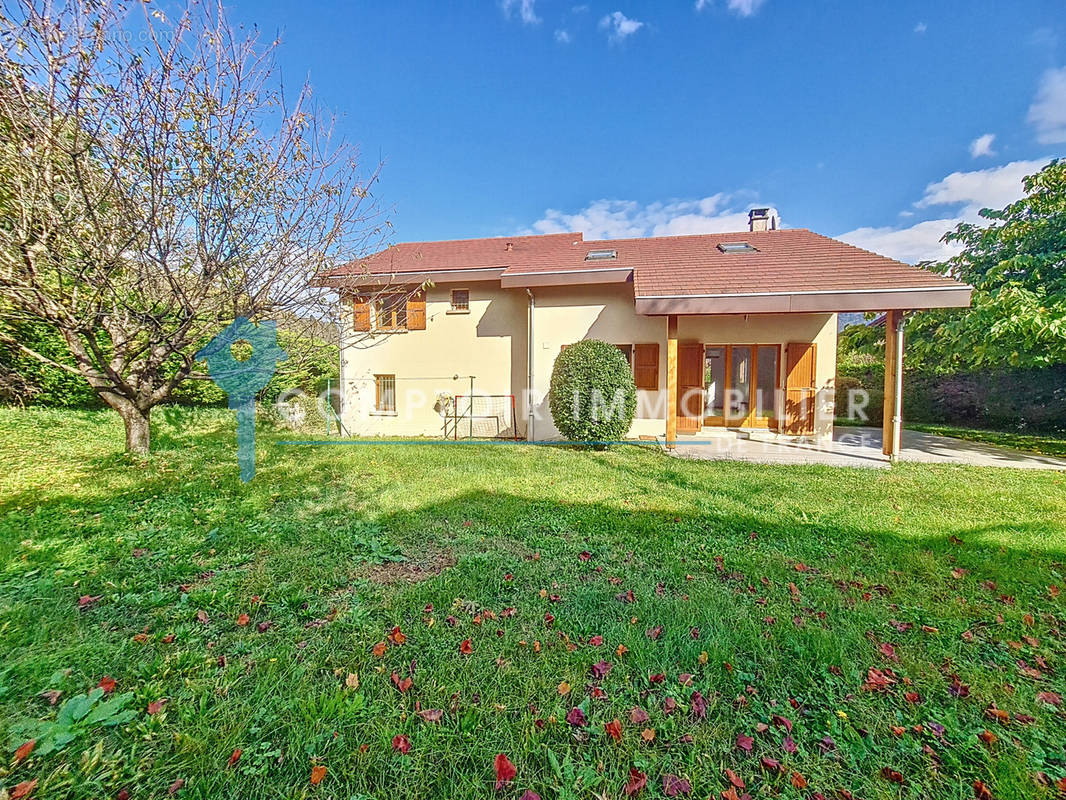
390,312
460,300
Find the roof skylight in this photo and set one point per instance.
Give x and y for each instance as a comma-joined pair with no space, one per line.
736,247
601,255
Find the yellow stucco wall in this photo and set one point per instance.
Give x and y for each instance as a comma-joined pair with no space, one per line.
491,343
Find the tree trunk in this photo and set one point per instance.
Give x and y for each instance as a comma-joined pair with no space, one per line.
136,420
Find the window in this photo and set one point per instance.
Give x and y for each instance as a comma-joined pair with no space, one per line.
385,394
736,247
390,311
601,255
460,300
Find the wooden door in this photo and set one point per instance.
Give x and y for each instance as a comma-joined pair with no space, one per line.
800,388
689,387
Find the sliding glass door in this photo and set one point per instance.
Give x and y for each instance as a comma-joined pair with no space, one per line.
740,385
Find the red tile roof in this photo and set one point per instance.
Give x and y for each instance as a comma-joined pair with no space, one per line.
784,261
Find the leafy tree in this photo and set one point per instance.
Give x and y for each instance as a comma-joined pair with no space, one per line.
592,397
1017,266
155,184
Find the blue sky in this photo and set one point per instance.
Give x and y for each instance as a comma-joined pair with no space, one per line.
860,120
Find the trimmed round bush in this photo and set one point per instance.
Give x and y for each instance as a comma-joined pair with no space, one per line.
592,396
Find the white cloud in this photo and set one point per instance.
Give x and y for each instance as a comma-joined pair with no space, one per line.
921,27
562,36
967,192
745,8
982,145
619,26
616,219
702,4
526,10
1048,112
984,188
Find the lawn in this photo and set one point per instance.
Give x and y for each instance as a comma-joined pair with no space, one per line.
383,621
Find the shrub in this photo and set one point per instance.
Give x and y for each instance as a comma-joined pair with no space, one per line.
592,396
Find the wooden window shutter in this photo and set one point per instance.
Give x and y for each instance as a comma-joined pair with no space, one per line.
646,366
361,314
416,311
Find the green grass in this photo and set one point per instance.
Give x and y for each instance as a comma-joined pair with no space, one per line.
794,577
1047,445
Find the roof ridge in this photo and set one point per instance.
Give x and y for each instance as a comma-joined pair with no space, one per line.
695,235
580,234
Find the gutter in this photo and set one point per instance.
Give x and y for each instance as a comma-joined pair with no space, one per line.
530,436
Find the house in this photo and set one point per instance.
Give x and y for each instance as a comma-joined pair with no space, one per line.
722,331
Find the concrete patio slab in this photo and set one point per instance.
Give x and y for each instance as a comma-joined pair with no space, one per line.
856,447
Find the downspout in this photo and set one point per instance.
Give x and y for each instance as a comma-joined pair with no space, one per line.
529,377
897,411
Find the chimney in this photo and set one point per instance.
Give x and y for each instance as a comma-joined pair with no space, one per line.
509,247
762,219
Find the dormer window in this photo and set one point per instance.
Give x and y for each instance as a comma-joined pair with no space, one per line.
736,247
601,255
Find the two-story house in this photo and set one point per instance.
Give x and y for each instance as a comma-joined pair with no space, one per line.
722,331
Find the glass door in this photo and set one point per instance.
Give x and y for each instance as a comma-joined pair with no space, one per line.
741,382
715,360
738,395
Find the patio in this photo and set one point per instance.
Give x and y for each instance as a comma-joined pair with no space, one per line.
855,447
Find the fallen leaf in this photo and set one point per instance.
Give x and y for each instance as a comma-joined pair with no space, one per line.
201,616
318,772
564,688
798,781
988,737
156,706
614,729
396,636
431,714
235,756
892,775
466,647
1051,698
576,717
673,785
84,602
402,684
24,750
351,681
980,791
638,716
401,744
107,683
243,619
600,669
505,770
745,742
529,794
176,787
636,783
698,705
734,779
648,734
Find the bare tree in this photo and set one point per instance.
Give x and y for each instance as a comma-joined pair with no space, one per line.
155,184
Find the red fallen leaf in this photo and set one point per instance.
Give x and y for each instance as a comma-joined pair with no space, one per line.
431,714
549,618
529,794
157,705
576,717
673,785
176,787
379,649
959,572
669,705
698,705
243,619
788,744
783,722
585,555
596,641
801,567
658,677
614,729
734,779
888,651
731,794
912,697
505,770
898,730
654,633
403,685
1051,698
892,775
967,636
263,627
122,795
998,714
85,601
107,683
24,750
23,789
235,756
168,638
980,791
636,783
401,744
988,737
798,780
685,679
1024,719
744,742
770,764
638,716
396,636
878,680
466,647
600,669
318,772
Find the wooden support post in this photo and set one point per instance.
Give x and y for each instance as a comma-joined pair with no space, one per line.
891,425
671,381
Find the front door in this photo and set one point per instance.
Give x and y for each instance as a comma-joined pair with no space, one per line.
800,389
689,387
